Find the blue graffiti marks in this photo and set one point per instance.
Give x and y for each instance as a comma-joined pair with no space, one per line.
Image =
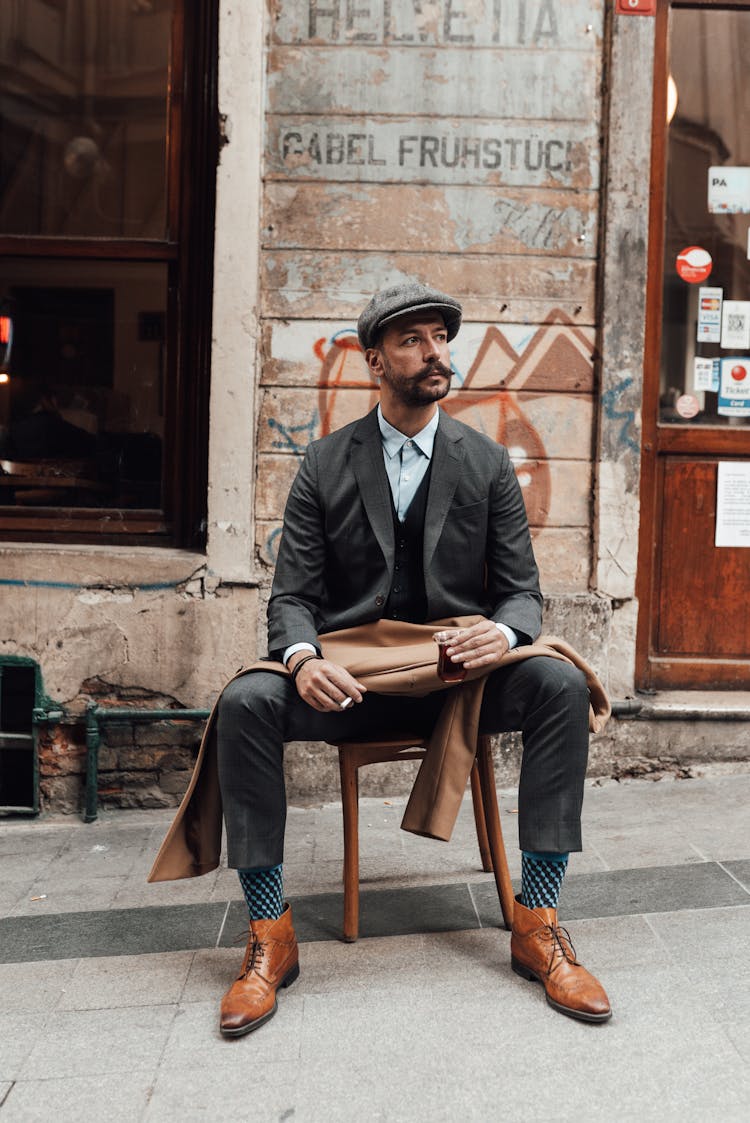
271,546
627,416
294,438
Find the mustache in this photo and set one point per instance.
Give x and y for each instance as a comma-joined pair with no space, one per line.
435,368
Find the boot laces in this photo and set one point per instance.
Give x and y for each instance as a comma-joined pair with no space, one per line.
562,949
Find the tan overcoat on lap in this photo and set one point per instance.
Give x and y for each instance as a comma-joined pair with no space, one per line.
388,657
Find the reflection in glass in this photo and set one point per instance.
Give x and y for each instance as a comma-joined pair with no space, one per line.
81,415
708,53
83,117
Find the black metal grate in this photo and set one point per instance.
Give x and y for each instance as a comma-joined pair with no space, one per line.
17,751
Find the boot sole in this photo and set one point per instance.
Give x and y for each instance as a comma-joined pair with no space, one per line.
580,1015
289,978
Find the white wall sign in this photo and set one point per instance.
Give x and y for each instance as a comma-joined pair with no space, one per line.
733,504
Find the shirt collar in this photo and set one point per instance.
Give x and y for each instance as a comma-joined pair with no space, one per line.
393,439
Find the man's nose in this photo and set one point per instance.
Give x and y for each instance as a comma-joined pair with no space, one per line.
430,349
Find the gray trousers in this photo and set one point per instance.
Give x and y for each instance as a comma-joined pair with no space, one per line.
546,699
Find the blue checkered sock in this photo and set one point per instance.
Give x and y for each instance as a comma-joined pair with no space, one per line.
264,892
541,877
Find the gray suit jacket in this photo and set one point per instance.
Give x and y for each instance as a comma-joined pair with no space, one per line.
336,555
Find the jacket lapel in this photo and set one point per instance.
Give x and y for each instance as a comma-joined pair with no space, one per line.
369,472
447,457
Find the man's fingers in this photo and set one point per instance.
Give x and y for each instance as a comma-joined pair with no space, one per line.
326,686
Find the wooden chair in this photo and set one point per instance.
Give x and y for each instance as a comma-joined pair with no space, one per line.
354,754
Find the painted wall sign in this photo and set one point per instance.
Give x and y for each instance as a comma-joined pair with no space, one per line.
694,264
733,504
729,190
453,23
447,151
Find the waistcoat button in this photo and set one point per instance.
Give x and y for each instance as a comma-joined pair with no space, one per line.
379,600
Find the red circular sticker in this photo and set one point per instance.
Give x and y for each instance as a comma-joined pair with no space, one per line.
694,264
739,373
687,405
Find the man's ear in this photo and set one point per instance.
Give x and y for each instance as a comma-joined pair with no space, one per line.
374,362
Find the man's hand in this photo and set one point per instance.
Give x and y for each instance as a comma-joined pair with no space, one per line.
325,685
481,645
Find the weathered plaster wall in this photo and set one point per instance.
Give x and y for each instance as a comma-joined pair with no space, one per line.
623,275
458,143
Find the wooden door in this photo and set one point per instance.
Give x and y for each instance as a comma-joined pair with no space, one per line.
694,595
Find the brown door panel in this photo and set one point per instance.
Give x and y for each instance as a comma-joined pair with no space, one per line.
703,590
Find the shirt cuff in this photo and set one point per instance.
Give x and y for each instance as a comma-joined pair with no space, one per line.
289,651
509,634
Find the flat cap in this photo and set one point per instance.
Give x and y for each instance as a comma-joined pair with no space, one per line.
400,300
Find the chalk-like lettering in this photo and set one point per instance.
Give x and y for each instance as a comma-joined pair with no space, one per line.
533,165
521,22
428,150
449,16
390,35
314,149
557,164
513,143
444,160
470,151
354,148
335,148
372,159
291,145
405,147
353,13
316,12
547,14
492,151
496,13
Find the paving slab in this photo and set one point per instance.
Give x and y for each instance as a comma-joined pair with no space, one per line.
98,1042
121,1096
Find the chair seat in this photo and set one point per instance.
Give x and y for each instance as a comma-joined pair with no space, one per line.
353,755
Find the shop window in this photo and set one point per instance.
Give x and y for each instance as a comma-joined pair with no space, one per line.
108,147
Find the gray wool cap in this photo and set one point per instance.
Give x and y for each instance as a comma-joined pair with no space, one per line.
399,300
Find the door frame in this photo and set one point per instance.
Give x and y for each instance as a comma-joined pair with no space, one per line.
652,670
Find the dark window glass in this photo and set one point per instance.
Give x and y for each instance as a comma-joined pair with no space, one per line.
709,109
82,409
83,117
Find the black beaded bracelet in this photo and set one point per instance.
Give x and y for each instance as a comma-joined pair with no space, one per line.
298,666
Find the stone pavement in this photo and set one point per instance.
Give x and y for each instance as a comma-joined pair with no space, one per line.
109,986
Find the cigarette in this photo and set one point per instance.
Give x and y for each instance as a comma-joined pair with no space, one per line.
345,703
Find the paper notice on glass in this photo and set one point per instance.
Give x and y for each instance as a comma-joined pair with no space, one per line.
703,374
733,504
735,324
729,190
734,391
709,315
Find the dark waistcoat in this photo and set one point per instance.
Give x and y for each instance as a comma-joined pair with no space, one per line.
408,599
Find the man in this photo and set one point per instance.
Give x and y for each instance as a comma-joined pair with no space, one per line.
406,514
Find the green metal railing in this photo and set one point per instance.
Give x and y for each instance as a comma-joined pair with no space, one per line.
95,716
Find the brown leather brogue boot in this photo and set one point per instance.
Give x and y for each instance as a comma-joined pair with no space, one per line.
541,950
271,961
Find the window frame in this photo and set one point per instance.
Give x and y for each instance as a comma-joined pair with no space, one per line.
187,252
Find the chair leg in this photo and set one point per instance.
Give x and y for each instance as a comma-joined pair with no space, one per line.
350,807
495,830
479,819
